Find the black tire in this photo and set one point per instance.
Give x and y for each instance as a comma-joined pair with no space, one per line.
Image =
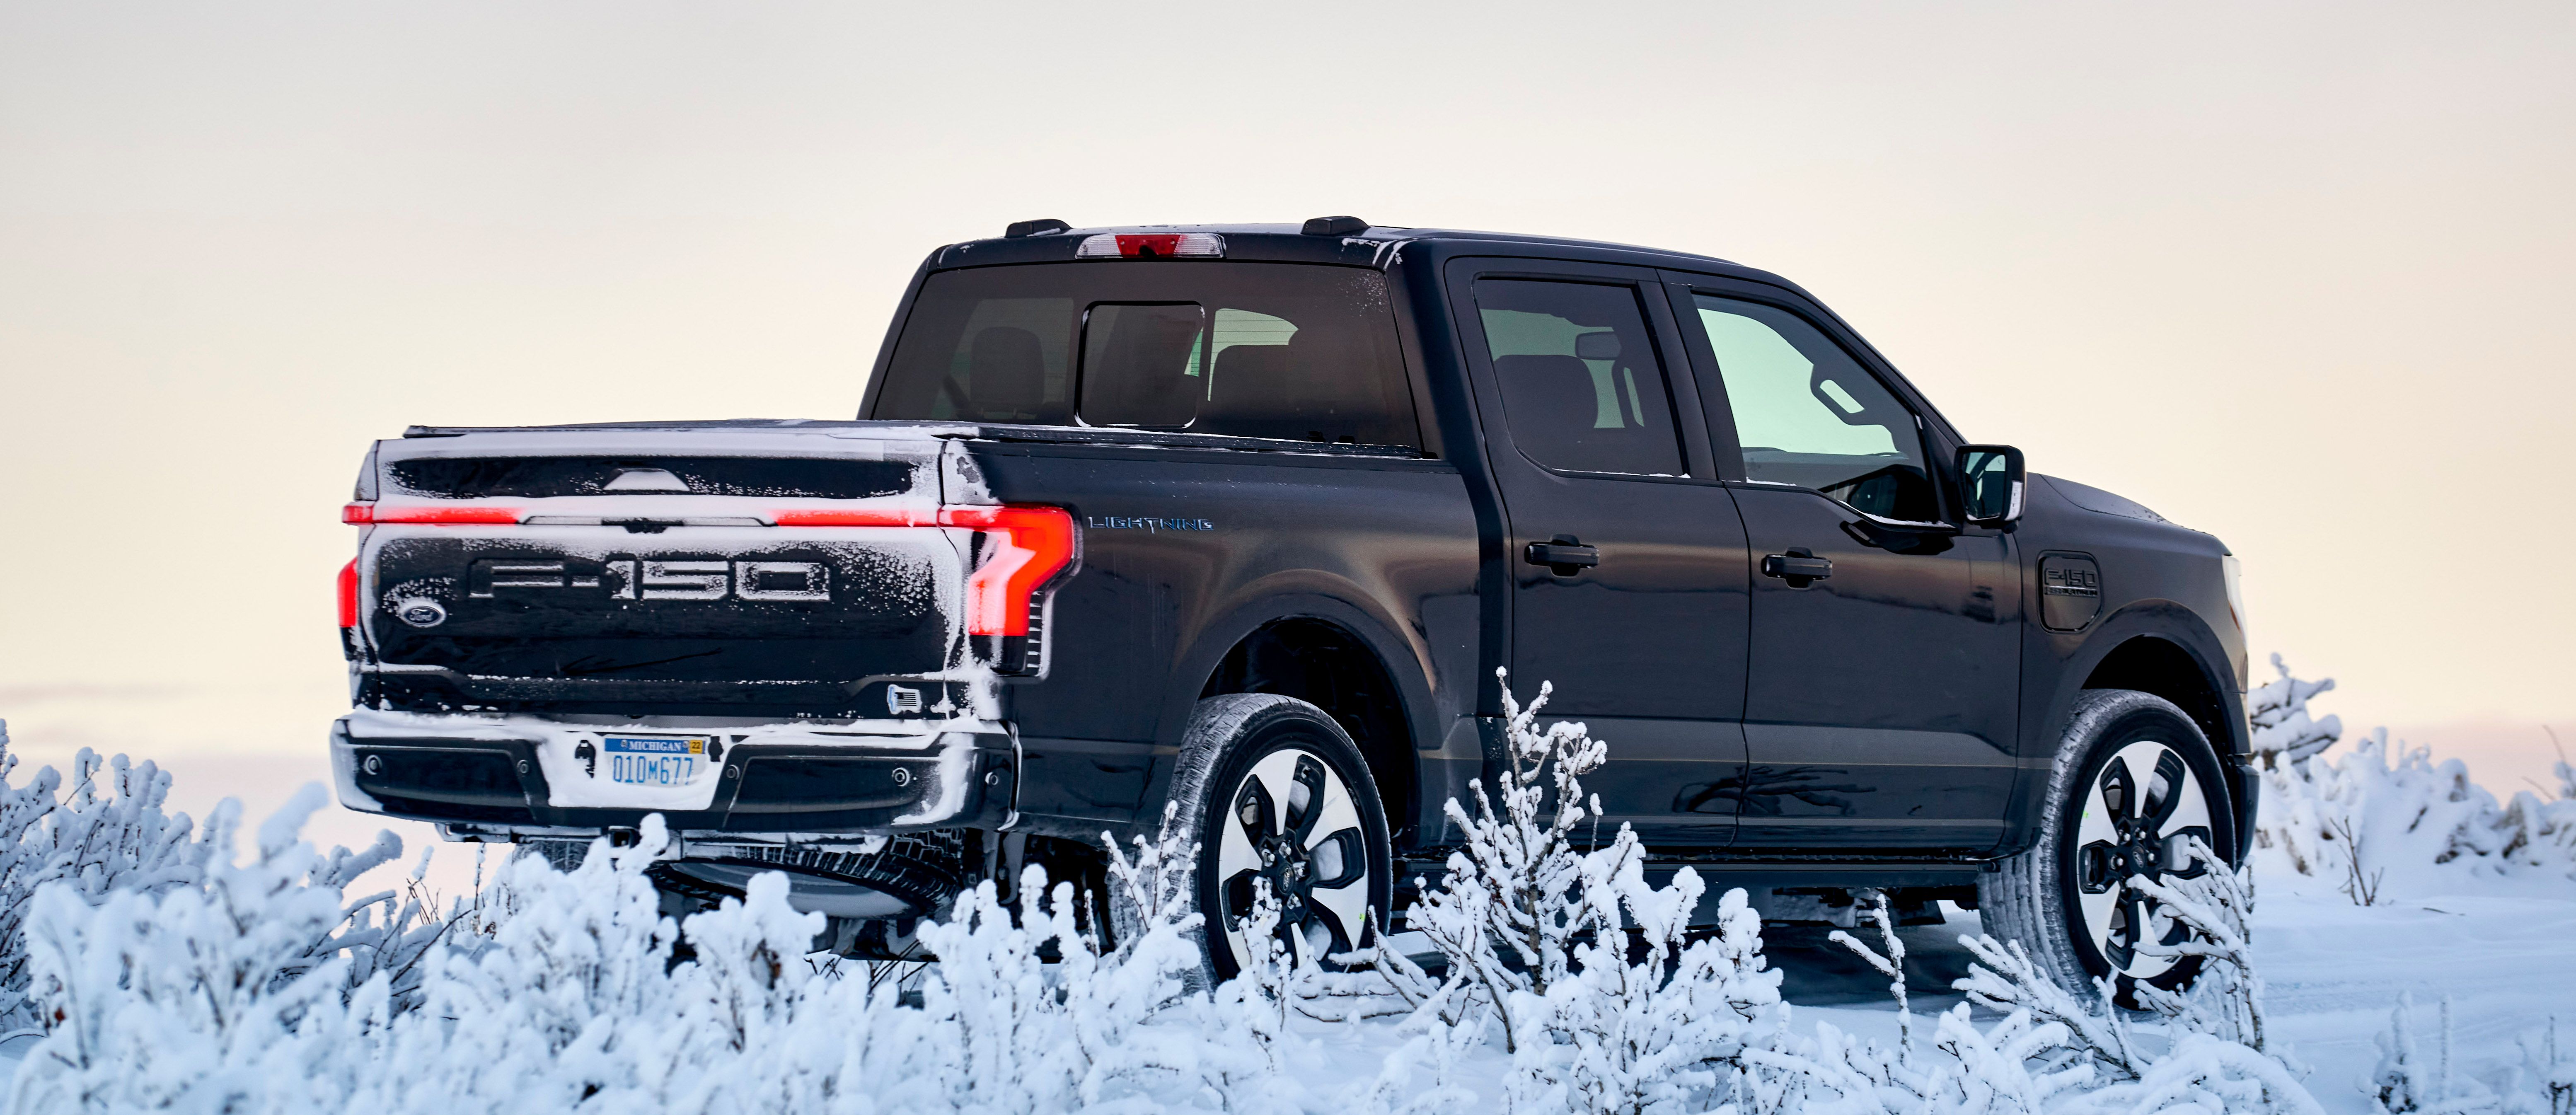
1299,769
2066,899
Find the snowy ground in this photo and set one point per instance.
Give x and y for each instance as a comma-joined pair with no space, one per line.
2333,969
2477,907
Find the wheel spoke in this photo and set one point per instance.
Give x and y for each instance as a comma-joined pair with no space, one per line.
2095,871
1236,895
2176,781
2176,930
1343,908
2118,788
2187,807
1336,814
1317,933
2133,916
1235,853
1276,775
2174,858
2098,910
1313,784
1338,858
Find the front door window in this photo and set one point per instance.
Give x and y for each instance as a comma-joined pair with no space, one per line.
1808,416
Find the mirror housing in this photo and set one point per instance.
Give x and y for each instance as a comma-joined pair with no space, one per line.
1992,479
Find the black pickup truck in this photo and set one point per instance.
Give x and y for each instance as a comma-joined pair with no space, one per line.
1246,519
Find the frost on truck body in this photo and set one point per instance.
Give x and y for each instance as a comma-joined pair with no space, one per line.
578,535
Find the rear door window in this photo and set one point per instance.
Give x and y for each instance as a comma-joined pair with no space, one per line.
1285,351
1582,387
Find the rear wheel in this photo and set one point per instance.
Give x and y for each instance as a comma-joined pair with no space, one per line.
1277,793
2134,782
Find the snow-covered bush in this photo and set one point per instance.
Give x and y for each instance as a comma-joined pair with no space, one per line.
2385,817
2551,1064
254,991
212,978
2409,1081
1513,900
1603,1001
93,844
2050,1051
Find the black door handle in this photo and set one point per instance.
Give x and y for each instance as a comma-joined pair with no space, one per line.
1797,568
1562,555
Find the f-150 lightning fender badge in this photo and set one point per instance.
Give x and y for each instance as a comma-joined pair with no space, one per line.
1144,522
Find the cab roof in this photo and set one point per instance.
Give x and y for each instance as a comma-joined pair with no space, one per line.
1376,246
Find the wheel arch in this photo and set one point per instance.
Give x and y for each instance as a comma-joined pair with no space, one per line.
2157,662
2165,649
1330,654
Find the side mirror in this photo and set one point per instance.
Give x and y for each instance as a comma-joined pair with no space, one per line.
1990,481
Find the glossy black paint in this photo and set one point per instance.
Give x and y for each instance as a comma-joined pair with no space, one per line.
1882,700
1663,609
1381,548
1896,711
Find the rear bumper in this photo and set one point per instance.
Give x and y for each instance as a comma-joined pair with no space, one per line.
517,774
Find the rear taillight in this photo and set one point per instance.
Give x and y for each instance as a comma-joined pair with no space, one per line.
363,513
349,594
868,517
1028,545
1151,245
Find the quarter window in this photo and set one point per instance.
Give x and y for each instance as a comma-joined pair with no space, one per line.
1582,388
1807,414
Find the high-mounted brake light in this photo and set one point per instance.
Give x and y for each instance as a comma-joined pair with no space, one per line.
1029,544
349,594
361,513
1151,245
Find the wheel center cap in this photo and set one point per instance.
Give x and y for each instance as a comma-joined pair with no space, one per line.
2140,858
1287,868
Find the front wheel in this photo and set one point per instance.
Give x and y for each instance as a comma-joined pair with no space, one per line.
2134,783
1276,792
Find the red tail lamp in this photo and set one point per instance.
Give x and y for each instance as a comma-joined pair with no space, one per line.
1029,545
349,594
363,513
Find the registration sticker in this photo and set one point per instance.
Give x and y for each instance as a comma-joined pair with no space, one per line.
654,760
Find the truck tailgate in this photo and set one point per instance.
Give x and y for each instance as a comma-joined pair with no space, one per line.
646,571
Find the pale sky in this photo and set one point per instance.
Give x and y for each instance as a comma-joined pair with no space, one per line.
2293,274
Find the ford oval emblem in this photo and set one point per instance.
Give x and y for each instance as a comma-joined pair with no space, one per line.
419,612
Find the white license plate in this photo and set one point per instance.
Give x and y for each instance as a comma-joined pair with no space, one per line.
654,760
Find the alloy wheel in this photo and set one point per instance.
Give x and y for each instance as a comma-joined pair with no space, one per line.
1291,821
2141,812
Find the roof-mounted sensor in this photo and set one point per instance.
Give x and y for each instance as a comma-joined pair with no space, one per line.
1019,229
1152,245
1334,226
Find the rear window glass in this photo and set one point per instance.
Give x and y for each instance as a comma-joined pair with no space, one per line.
1268,350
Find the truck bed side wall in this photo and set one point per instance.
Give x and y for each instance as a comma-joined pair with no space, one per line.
1186,552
